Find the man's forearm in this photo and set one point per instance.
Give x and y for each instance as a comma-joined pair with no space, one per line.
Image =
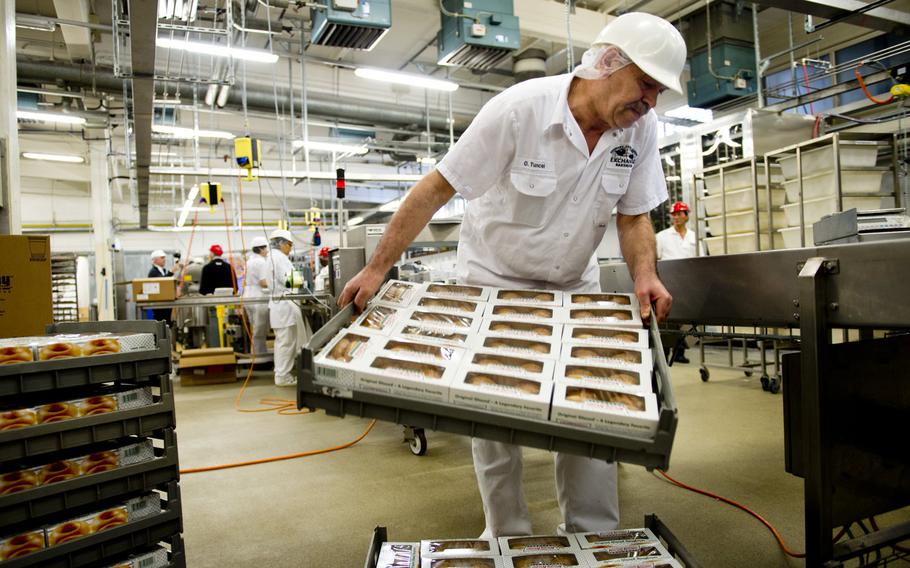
424,199
638,245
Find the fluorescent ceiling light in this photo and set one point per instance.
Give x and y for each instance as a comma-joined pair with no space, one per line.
673,178
69,158
315,146
197,209
410,79
32,22
167,101
218,50
189,133
354,221
50,117
390,206
179,9
427,160
690,113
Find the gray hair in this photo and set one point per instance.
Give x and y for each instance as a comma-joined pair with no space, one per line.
278,241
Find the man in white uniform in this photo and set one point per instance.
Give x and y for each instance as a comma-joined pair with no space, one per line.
284,315
676,241
255,284
541,167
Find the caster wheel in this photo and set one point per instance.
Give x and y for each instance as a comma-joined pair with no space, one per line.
747,373
705,375
774,386
418,444
765,383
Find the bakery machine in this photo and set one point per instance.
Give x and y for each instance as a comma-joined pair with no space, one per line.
846,404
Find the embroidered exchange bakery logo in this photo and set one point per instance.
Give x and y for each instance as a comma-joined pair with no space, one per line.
623,156
6,283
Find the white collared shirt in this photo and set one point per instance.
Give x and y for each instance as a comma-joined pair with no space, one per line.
537,203
257,269
281,312
671,245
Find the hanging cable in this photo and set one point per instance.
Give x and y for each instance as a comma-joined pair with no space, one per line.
869,96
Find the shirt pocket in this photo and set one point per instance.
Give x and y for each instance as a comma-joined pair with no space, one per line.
534,199
613,185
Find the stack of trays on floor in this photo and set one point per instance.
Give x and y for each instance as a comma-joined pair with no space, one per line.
626,548
820,190
577,359
737,198
65,346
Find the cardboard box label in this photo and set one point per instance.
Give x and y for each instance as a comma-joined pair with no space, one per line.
150,288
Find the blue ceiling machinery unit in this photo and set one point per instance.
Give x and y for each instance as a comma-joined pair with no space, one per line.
354,24
477,34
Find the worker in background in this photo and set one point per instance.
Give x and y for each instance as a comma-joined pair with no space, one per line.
255,285
541,168
322,275
284,315
677,241
158,270
218,273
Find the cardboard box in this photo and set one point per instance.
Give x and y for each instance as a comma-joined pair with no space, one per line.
553,298
601,300
501,393
522,329
442,335
399,555
612,355
613,538
336,365
457,291
618,316
25,285
605,410
512,545
626,554
405,377
525,312
463,562
397,293
544,560
520,346
208,366
596,375
600,335
496,362
154,289
458,547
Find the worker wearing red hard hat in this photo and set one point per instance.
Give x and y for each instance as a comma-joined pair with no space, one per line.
676,241
218,273
322,275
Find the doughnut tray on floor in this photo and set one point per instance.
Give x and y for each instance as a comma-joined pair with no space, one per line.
70,379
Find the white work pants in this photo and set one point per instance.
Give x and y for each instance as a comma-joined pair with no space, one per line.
286,350
586,490
258,317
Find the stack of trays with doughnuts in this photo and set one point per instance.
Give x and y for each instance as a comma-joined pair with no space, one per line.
626,547
64,346
18,350
102,403
452,553
99,521
22,544
504,384
105,458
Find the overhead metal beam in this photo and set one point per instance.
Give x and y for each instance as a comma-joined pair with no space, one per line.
78,38
143,29
847,12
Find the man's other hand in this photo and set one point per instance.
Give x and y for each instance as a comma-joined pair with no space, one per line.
361,288
650,289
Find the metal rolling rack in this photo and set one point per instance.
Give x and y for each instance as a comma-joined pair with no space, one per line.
843,435
63,288
57,502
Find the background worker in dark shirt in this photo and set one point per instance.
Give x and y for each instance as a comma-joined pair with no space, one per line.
218,273
158,270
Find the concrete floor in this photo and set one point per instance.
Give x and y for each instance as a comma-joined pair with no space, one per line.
320,511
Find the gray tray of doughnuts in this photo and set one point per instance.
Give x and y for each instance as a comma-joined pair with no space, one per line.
653,453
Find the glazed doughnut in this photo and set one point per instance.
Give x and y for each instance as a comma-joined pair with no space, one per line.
110,519
346,346
97,405
100,461
523,364
450,304
430,371
101,346
479,380
68,531
576,372
544,560
505,343
12,419
16,354
21,545
445,545
462,563
59,351
457,321
424,332
56,411
58,471
395,292
543,297
17,481
376,318
450,289
402,346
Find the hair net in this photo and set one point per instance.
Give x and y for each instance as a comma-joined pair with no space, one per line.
601,61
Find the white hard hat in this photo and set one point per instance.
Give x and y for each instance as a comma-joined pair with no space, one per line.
156,254
259,242
652,43
282,234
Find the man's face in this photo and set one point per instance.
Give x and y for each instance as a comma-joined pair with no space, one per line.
630,94
679,219
286,247
159,261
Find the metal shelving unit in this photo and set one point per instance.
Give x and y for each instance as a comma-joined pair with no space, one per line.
47,504
64,291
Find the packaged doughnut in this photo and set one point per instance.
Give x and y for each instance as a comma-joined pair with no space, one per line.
112,517
520,346
459,547
501,393
397,293
457,291
512,545
552,298
18,418
397,375
58,471
399,555
426,318
617,316
523,366
598,375
440,304
57,412
626,553
524,329
463,562
599,335
58,348
18,481
545,560
614,538
335,366
104,345
607,410
22,544
613,355
523,312
423,351
431,334
17,350
378,319
606,300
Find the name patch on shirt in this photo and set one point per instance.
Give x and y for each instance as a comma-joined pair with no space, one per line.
623,156
533,165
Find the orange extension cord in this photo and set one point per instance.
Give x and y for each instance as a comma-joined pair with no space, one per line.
865,90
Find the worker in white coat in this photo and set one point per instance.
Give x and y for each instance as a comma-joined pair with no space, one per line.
284,314
676,241
255,285
542,167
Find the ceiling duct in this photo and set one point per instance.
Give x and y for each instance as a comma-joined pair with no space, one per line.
357,24
529,64
477,34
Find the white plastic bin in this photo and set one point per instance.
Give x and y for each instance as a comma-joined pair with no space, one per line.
744,221
737,243
823,184
791,237
741,200
817,208
822,160
741,178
